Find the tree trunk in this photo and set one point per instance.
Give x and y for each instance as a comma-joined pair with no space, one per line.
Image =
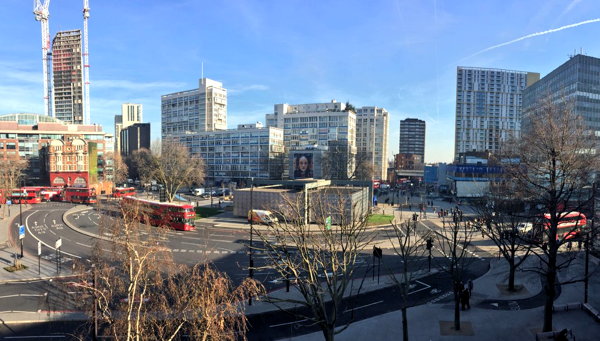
550,292
456,310
511,275
328,333
404,324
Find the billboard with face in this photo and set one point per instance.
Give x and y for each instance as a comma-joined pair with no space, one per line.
303,165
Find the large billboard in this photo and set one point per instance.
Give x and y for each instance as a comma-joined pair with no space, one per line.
303,165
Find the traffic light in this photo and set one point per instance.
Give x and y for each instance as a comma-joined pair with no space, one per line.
429,244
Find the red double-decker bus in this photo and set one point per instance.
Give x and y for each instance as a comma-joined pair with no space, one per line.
79,195
570,224
123,192
26,195
50,193
167,214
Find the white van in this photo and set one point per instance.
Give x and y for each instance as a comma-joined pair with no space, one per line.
198,191
524,227
262,217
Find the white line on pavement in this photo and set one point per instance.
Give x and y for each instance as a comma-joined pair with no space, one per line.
287,323
363,306
22,295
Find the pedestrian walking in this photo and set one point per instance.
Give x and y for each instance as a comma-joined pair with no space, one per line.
470,286
464,299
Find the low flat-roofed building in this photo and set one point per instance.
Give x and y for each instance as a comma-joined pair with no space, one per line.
313,198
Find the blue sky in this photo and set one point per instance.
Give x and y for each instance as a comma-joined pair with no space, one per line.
400,55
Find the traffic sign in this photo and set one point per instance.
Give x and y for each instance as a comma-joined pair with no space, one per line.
21,232
58,244
328,222
39,248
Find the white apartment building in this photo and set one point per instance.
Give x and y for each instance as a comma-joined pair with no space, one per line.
189,112
488,107
372,124
316,124
250,151
131,113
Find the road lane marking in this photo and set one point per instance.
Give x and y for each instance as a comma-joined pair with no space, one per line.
287,323
363,306
44,243
22,295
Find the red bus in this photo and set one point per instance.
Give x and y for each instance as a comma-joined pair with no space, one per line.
123,192
168,214
79,195
26,195
50,193
569,225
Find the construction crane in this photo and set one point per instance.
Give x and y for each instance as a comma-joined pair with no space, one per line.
42,12
86,63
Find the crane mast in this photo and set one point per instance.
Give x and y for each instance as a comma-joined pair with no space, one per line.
86,63
42,12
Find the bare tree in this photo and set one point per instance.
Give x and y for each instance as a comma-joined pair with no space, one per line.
11,173
410,248
363,167
557,158
320,258
499,218
452,242
175,168
138,165
135,290
115,166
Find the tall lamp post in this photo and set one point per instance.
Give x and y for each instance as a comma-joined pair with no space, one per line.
587,245
21,213
251,260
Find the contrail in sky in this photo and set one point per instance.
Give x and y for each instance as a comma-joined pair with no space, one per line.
535,35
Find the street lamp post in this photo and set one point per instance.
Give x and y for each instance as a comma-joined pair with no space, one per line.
251,260
21,213
587,245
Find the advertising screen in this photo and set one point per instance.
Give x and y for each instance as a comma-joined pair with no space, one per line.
303,165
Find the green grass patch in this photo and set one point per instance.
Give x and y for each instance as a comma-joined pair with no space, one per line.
205,212
379,219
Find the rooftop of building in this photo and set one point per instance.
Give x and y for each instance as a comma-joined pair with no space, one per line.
489,69
37,122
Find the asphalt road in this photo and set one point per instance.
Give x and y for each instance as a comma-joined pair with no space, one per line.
227,249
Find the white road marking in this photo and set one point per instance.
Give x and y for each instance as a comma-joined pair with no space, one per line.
363,306
287,323
22,295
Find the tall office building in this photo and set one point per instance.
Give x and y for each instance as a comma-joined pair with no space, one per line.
189,112
575,82
488,107
316,125
134,137
372,125
67,66
412,137
130,114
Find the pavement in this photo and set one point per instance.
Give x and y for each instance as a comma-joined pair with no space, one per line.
495,313
37,269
